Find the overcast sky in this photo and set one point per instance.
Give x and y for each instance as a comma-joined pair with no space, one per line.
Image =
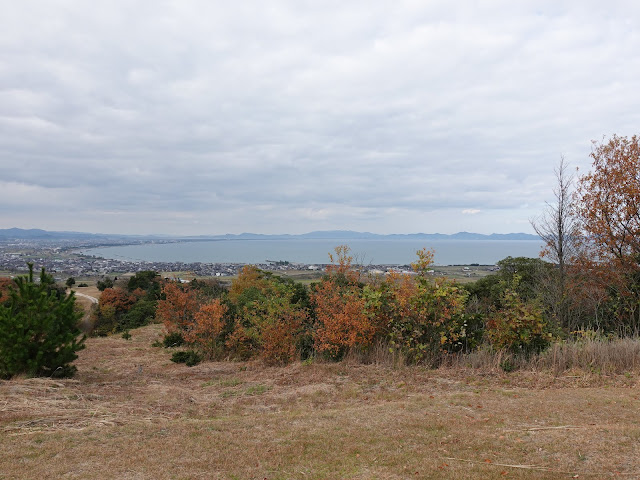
211,117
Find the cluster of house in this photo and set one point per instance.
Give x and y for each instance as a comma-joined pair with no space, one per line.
61,262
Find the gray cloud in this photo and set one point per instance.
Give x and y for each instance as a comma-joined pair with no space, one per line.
209,117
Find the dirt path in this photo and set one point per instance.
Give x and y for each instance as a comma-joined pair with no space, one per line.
92,299
87,302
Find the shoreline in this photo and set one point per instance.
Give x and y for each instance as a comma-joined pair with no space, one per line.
315,252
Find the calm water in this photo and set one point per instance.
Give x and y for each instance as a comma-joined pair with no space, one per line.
398,252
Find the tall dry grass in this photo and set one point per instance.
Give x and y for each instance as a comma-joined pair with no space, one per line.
599,355
380,353
607,356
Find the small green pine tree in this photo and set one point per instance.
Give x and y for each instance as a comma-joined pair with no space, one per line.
39,333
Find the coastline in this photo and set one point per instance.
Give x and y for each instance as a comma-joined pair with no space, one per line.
395,252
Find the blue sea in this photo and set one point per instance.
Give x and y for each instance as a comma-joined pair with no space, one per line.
308,251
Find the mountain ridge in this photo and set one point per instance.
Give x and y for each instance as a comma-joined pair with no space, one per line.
39,234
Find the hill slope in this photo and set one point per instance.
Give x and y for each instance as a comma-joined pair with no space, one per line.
131,413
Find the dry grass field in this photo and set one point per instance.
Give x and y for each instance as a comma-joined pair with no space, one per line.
131,413
91,290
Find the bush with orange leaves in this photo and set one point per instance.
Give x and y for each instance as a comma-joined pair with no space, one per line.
201,321
282,332
116,298
206,329
113,305
262,315
279,320
5,286
178,307
343,321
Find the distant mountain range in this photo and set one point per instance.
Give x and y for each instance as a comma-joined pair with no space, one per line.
36,234
351,235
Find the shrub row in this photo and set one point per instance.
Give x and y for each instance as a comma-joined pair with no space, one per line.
279,320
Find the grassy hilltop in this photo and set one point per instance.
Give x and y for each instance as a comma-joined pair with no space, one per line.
131,413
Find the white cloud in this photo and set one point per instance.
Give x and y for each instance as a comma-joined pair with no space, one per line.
332,115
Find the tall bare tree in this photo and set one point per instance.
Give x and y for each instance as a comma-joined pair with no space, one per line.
559,228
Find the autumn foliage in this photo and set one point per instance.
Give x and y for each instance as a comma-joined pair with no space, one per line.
608,205
178,307
593,235
342,321
115,300
281,331
518,325
264,316
205,330
420,318
427,318
609,201
5,286
260,316
121,308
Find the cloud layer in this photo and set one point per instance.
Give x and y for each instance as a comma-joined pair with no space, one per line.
202,117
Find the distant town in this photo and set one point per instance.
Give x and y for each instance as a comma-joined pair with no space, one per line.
60,253
62,259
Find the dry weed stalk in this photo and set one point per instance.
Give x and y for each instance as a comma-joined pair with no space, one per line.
542,469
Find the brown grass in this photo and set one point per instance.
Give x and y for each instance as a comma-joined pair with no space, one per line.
91,290
131,413
619,356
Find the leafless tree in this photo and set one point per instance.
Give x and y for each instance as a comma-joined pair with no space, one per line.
559,228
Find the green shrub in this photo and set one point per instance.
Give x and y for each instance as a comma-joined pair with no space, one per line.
39,332
140,314
428,321
173,340
119,310
507,366
145,280
518,326
189,357
102,285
